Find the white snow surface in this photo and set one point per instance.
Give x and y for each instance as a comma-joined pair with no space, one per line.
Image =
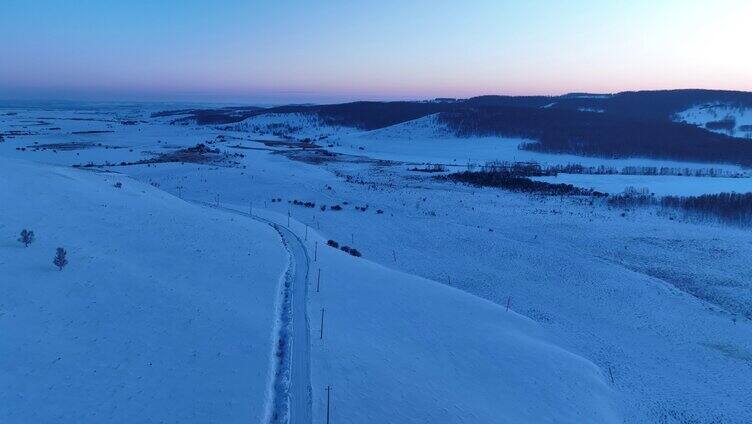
400,348
711,112
164,313
660,305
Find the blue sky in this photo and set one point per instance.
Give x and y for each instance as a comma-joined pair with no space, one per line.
287,51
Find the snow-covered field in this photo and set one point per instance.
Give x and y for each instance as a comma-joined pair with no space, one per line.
624,316
740,118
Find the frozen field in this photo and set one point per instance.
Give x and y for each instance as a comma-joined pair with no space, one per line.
632,316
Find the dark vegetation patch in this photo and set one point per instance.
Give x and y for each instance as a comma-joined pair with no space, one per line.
507,181
726,124
604,135
75,145
297,202
200,154
734,208
15,133
92,132
437,167
347,249
645,170
745,127
632,197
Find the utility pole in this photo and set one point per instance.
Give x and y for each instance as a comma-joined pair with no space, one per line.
306,232
180,191
316,251
288,218
250,210
328,393
509,299
321,335
318,281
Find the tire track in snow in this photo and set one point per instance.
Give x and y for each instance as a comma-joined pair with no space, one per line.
291,387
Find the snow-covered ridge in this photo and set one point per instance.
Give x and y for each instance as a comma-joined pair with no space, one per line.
722,118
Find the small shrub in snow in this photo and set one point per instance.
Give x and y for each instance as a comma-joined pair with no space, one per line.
333,244
336,208
60,258
323,208
355,253
118,185
27,237
346,249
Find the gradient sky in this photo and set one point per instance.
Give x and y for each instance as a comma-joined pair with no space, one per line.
299,51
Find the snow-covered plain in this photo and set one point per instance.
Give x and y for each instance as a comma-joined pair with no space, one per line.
661,307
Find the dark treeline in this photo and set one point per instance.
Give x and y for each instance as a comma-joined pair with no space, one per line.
643,105
507,180
595,134
644,170
734,208
658,105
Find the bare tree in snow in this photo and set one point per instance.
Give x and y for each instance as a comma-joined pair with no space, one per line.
27,237
60,260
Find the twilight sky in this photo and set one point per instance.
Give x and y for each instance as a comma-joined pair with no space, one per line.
324,51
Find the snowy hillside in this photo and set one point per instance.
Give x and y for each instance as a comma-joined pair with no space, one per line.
398,348
726,119
427,127
286,125
165,312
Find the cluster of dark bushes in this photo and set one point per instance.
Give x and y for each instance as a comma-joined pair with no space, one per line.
632,197
276,200
351,250
304,204
486,178
336,208
734,208
437,167
361,208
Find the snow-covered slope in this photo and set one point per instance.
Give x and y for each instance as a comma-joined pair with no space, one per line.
165,312
397,348
297,125
739,119
427,127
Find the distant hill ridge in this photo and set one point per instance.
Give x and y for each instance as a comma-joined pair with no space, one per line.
627,124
